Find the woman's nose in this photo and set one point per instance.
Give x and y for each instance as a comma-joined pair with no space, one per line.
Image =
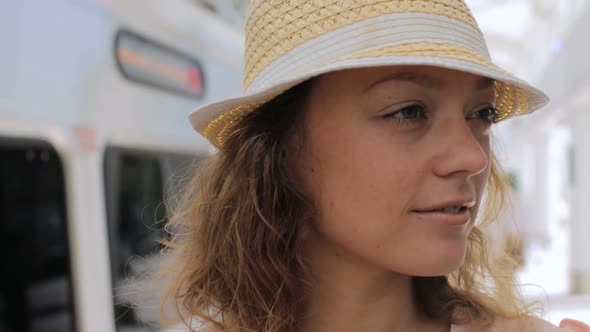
460,149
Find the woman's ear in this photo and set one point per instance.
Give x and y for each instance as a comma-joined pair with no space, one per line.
305,231
296,140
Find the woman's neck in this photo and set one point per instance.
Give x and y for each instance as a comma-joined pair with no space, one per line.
345,293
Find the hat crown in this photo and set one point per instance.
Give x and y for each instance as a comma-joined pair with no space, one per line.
275,27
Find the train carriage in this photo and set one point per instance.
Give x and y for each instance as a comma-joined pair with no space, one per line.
93,134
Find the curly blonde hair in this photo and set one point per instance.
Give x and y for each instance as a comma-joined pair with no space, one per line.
237,262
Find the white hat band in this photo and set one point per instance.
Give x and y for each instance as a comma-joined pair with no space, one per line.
387,30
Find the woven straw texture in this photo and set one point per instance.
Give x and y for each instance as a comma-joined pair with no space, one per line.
277,26
288,41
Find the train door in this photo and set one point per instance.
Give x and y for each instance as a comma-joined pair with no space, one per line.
36,293
137,184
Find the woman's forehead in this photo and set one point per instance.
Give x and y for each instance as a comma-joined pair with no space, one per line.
427,76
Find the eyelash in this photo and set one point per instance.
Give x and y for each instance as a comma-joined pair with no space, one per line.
422,117
489,115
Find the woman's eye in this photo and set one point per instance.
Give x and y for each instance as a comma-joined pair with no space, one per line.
408,114
489,115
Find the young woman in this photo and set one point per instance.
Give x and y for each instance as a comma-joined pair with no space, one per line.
355,177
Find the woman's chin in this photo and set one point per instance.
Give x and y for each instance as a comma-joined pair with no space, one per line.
437,264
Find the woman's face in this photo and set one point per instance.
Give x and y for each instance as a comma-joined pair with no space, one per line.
396,160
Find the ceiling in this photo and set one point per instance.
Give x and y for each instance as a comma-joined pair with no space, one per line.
523,35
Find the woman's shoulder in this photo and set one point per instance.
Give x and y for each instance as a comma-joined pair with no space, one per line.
528,324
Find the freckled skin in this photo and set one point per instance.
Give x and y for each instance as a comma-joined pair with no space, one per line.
367,173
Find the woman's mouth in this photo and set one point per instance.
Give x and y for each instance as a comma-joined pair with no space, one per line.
451,209
451,215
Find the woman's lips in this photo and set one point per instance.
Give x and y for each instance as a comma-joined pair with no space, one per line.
450,218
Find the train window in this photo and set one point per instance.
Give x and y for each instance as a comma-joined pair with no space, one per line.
145,61
35,283
136,184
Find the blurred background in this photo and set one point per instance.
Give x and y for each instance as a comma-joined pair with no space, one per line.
94,97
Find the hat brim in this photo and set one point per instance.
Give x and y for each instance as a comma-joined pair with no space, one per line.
514,96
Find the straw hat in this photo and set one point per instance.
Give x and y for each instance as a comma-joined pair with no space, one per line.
290,41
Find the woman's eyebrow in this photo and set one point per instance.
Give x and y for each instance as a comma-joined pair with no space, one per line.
423,80
484,83
427,81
